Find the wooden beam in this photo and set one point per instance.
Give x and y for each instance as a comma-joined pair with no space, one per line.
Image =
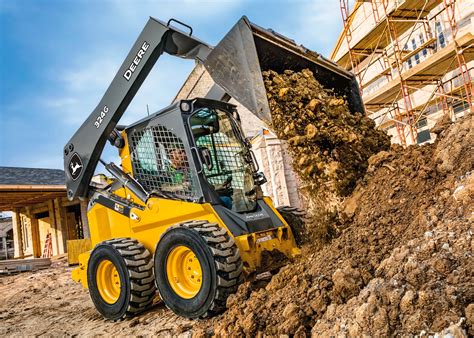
63,233
17,234
34,227
419,49
11,200
39,207
65,202
56,232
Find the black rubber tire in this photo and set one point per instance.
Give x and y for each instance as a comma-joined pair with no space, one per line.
220,263
296,219
135,268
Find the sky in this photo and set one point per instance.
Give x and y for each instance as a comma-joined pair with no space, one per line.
57,58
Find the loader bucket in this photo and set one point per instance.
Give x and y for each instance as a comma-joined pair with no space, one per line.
237,62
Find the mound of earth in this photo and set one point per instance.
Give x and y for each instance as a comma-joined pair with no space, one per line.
402,263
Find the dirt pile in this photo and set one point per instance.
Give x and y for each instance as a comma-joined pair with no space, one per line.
401,265
330,144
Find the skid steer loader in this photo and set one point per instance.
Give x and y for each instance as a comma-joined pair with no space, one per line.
184,212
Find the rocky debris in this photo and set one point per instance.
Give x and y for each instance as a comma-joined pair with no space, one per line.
401,265
442,124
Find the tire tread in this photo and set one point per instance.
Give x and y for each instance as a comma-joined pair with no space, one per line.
228,263
139,264
296,219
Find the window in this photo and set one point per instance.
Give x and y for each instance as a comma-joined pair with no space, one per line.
439,31
422,41
417,56
422,123
145,152
423,136
231,171
160,162
460,107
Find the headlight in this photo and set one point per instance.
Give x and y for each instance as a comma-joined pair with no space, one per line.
185,106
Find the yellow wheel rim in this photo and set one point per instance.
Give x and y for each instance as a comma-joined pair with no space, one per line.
184,272
108,281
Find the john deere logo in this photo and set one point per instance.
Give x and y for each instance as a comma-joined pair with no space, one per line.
75,166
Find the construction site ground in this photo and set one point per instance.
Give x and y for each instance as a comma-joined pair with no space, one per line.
49,302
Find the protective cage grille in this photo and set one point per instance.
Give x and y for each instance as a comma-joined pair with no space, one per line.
160,162
227,159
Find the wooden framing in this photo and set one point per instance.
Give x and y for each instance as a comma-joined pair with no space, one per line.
17,242
27,202
13,196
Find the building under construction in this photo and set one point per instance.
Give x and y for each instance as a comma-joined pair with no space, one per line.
413,60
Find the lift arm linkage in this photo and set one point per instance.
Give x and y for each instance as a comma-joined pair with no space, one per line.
82,152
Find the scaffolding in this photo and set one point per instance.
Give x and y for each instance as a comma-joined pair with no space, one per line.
383,42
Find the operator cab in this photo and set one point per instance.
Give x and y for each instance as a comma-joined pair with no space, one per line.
195,150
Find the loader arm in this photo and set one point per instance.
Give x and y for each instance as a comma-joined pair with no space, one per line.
82,152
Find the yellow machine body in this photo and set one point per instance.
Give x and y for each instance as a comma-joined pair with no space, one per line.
159,214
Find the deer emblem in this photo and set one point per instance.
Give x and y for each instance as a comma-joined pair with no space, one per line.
75,167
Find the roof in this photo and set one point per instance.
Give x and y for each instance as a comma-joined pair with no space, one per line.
22,187
31,176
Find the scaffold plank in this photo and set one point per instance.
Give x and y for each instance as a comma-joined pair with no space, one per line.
434,67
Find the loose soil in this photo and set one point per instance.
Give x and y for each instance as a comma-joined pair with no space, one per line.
330,144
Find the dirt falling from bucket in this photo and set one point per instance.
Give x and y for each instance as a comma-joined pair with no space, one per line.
330,144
